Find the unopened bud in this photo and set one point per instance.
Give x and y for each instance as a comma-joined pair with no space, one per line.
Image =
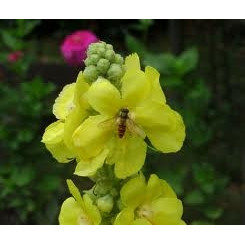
103,66
90,73
92,60
115,72
108,64
105,203
101,52
110,55
118,59
109,46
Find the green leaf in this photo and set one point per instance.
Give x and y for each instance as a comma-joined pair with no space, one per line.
25,135
201,222
194,198
23,176
170,81
198,97
24,27
10,40
16,202
30,25
164,63
146,22
3,57
187,61
134,45
49,183
214,212
204,175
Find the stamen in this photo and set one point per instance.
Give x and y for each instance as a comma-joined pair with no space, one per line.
145,212
84,220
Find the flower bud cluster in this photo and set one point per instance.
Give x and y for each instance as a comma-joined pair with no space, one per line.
103,61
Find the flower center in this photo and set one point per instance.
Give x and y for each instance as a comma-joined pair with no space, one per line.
145,212
84,220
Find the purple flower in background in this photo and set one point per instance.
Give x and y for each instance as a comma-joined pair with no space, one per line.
75,45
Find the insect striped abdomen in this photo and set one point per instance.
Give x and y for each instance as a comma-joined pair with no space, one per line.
123,116
121,130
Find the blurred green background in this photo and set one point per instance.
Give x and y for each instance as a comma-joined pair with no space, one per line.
202,73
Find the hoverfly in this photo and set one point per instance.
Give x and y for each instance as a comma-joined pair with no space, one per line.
123,123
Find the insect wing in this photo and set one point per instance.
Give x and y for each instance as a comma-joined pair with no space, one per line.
108,123
135,129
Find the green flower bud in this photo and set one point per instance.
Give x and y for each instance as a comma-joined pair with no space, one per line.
105,203
101,189
101,52
100,45
115,72
118,59
90,73
110,55
109,47
108,64
92,49
92,60
102,66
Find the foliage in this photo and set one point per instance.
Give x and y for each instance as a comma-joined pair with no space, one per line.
200,184
27,182
13,39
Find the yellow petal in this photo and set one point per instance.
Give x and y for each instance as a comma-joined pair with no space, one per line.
73,121
181,222
156,90
88,167
153,188
132,193
91,210
75,192
90,138
167,211
135,88
141,222
81,88
166,189
64,103
129,155
70,212
162,125
60,152
132,62
104,97
125,217
54,133
53,139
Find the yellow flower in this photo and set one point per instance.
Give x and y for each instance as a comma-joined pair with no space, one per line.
78,210
154,203
70,108
136,110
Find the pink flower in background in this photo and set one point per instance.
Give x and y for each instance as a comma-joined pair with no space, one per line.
74,46
15,56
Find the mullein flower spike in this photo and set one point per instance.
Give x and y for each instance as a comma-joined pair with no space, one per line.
103,120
